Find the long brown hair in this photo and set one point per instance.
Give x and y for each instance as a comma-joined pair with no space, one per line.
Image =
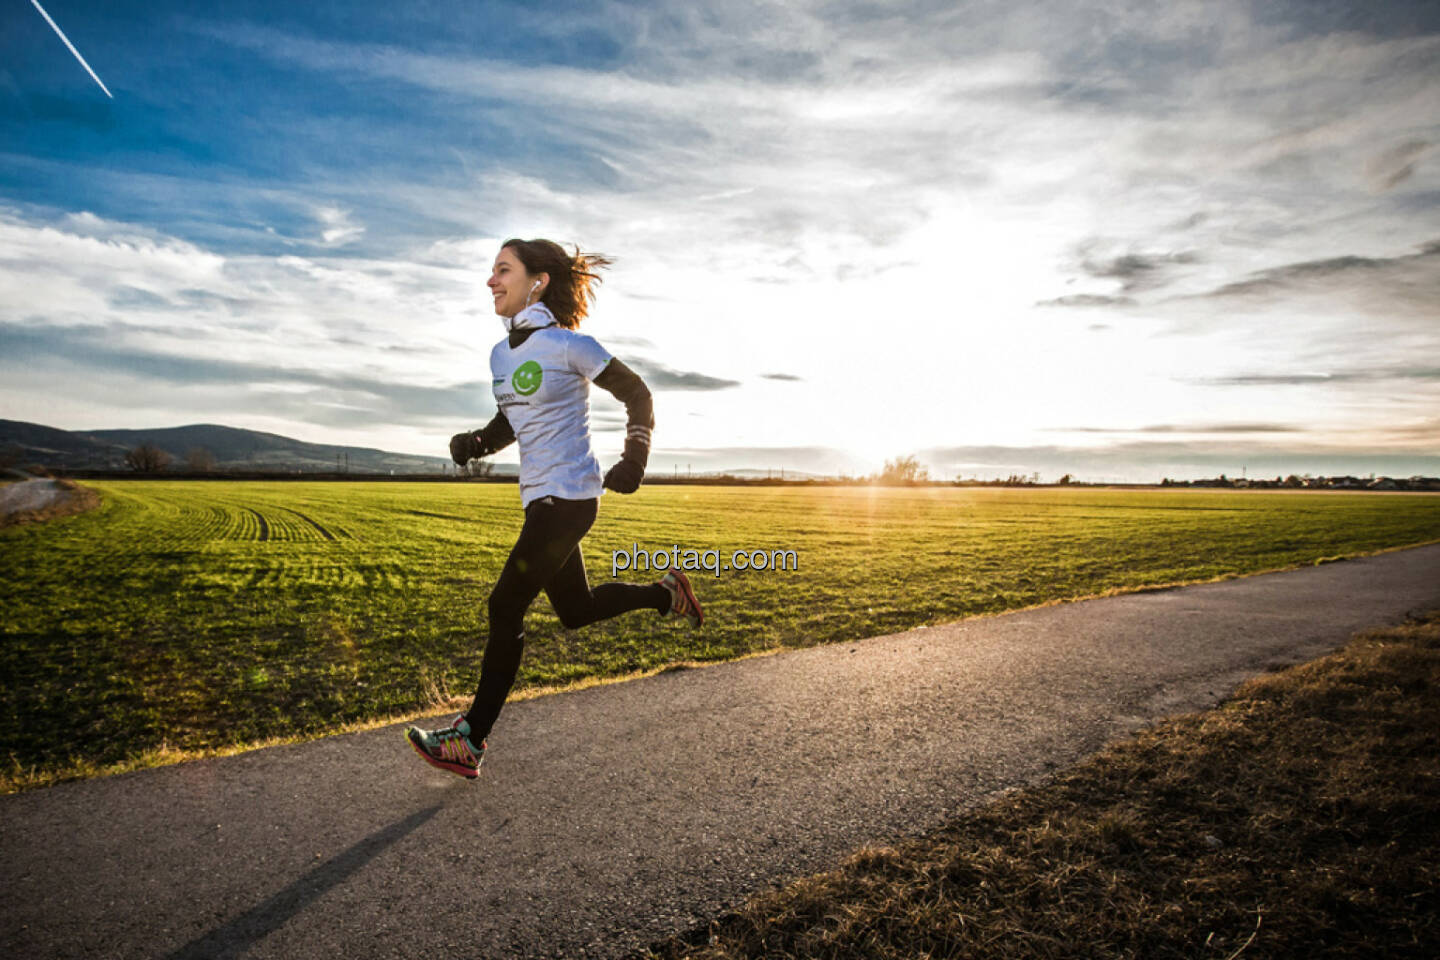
572,278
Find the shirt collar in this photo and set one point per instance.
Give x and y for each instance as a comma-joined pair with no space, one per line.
536,315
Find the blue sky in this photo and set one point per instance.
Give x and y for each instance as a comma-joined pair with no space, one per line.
1118,240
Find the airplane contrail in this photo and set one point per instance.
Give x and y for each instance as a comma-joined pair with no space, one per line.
61,33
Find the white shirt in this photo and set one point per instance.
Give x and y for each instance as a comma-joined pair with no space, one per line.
543,388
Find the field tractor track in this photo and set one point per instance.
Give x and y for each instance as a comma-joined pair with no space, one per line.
264,525
314,523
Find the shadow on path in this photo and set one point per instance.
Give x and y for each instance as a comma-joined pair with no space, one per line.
252,926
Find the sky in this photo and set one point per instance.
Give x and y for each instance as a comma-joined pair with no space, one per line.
1119,240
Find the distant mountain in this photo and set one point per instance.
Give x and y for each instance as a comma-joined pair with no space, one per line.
230,447
22,442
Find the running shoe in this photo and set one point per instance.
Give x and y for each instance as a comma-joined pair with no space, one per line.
682,598
449,748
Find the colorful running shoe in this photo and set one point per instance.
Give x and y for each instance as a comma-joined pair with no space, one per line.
682,598
449,748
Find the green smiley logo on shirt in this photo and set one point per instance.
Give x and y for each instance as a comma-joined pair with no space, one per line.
526,378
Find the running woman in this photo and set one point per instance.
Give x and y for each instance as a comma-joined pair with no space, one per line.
542,372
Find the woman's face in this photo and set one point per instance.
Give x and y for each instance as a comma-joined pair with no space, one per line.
511,286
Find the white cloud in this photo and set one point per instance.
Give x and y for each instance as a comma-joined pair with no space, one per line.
169,306
339,229
874,199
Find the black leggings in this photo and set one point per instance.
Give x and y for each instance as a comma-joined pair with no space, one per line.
546,557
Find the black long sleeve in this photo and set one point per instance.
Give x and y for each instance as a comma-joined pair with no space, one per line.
626,386
495,435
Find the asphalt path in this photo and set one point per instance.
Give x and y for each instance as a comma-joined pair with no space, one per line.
26,495
612,817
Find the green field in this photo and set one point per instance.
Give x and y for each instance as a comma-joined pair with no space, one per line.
185,617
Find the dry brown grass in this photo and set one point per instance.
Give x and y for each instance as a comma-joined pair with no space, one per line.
1301,818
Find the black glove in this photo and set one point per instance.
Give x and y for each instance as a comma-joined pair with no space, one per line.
464,447
625,477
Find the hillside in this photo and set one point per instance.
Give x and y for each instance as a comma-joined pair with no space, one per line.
22,442
231,448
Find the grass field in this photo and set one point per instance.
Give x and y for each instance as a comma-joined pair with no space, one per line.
184,617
